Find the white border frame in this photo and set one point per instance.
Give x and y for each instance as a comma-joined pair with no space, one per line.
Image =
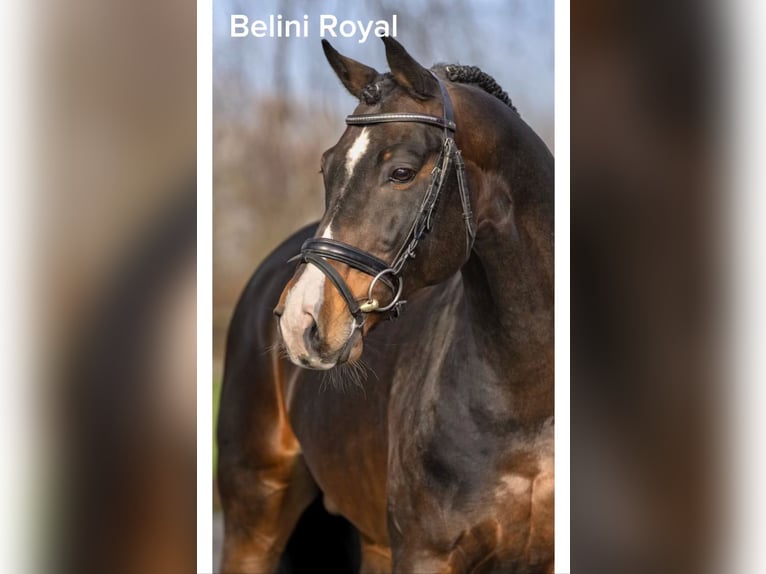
204,286
561,292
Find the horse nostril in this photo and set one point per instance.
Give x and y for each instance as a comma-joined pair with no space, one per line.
311,335
278,311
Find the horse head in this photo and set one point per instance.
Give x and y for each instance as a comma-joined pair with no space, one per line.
394,188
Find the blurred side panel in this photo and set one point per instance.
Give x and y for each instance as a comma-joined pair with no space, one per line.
645,292
117,280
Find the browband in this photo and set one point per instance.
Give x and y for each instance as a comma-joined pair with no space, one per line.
364,119
447,122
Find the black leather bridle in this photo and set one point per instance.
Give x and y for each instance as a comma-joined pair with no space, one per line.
319,250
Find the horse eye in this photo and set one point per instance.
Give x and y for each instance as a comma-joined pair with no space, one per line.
402,175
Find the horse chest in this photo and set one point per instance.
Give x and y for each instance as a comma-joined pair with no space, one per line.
438,459
494,503
462,473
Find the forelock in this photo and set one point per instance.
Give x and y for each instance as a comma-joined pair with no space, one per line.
373,93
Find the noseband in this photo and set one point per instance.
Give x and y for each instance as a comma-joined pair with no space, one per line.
319,250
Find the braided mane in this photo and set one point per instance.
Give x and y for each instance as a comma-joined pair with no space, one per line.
474,75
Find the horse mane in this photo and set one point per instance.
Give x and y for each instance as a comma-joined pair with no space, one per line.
455,73
475,76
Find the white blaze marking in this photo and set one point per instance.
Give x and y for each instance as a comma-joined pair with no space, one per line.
356,151
353,155
305,298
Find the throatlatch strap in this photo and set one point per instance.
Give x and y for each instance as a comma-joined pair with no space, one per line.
465,200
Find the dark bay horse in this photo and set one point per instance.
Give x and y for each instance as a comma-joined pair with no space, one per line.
437,194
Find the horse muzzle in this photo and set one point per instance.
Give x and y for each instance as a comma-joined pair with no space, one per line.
309,345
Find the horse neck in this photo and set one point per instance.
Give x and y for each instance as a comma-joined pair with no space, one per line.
508,280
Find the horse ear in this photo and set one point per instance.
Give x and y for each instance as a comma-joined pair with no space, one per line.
407,72
354,75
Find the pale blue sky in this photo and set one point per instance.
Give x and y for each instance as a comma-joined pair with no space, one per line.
512,40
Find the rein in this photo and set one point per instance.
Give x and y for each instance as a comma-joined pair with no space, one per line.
318,250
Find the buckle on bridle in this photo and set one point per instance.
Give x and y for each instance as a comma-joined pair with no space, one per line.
372,303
